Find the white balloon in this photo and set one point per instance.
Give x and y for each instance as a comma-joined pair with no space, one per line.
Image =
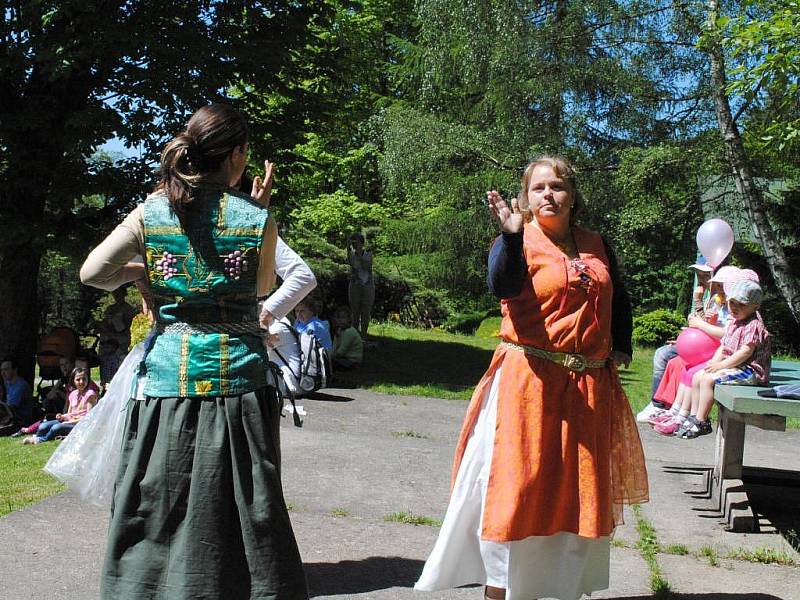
715,240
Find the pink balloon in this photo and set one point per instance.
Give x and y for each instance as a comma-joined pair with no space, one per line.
715,240
695,346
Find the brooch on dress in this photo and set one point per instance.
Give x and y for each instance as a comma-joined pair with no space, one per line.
582,269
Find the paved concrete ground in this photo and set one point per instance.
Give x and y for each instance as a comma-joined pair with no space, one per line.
363,456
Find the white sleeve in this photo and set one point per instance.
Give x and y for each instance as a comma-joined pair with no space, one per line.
297,281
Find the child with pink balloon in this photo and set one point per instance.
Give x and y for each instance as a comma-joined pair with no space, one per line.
700,341
743,358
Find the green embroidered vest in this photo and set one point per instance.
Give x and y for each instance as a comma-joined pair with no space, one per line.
203,278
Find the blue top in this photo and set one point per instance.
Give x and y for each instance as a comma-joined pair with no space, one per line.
320,330
20,399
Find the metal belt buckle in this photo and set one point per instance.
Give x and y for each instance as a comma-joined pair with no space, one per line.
575,362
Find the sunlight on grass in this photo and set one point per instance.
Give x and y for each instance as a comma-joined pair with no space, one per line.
22,481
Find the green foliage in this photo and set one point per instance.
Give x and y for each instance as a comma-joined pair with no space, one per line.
335,216
654,328
410,518
140,327
464,322
764,47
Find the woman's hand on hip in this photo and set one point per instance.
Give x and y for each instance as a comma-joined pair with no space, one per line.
507,217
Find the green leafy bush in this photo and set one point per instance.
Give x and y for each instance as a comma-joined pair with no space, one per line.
656,327
140,327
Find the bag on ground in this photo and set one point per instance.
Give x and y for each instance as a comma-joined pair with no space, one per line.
315,365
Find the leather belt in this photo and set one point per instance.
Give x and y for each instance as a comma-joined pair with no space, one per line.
573,362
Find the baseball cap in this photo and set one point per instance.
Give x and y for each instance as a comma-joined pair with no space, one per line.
746,292
701,265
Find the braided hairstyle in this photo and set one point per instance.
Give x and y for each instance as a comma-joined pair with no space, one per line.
194,156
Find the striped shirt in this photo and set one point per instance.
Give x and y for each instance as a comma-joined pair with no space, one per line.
752,332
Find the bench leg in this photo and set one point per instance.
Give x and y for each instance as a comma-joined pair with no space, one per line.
727,488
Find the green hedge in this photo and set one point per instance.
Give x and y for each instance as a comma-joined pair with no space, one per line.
656,327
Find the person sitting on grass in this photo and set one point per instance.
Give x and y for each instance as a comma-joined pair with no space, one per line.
79,402
307,321
19,396
82,362
348,347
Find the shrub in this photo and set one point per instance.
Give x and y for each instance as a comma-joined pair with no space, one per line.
467,322
140,327
656,327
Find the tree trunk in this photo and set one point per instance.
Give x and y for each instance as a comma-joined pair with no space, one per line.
19,314
743,176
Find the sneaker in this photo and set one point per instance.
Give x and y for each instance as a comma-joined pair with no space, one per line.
689,424
662,417
700,428
669,427
19,433
647,412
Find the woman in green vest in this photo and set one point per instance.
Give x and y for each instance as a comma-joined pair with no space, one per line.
198,508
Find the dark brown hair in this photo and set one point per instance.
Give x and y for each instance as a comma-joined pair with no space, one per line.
197,153
79,371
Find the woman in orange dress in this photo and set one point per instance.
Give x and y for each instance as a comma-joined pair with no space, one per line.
549,450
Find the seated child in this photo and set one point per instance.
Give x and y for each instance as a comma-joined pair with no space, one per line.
348,347
742,359
306,320
673,389
80,400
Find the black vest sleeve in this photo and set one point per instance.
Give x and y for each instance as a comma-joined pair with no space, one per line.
507,267
621,314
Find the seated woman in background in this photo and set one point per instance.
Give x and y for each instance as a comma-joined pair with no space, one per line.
79,402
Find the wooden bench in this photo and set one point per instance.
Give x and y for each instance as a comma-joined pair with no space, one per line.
739,406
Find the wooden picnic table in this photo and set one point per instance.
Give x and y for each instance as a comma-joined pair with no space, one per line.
739,406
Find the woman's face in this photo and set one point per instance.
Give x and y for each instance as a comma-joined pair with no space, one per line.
81,382
549,196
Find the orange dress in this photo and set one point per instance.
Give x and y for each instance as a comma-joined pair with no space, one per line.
567,452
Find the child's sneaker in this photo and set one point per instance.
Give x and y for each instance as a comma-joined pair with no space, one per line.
663,417
649,411
687,425
698,429
669,427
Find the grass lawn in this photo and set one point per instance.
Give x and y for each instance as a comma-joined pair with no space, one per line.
22,481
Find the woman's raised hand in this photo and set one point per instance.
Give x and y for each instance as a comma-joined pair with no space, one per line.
262,187
508,218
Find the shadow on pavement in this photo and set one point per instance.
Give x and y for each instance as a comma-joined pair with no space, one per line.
360,576
327,397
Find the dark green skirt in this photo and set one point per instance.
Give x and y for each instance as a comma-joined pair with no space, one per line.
198,509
